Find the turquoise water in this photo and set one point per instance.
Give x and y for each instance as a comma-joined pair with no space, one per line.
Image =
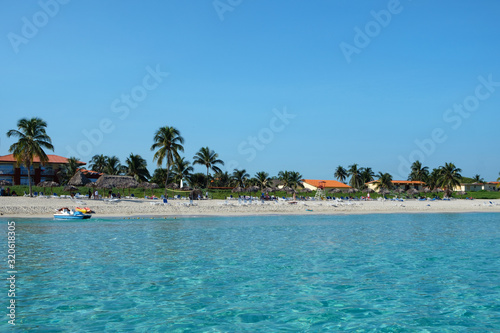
364,273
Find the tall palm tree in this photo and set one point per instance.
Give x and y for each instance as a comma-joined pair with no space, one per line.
136,167
98,163
240,177
295,180
168,141
341,173
113,166
69,169
222,179
284,177
32,139
181,169
418,172
367,175
355,173
478,179
449,177
384,181
209,158
432,179
262,178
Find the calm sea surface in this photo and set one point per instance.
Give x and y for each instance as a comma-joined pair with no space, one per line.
364,273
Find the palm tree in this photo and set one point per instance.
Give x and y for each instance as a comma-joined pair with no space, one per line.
295,180
197,180
240,177
136,167
181,169
69,169
168,141
159,176
222,179
341,173
384,181
209,159
284,177
98,163
113,166
367,175
355,173
262,178
478,179
32,139
418,172
449,177
432,179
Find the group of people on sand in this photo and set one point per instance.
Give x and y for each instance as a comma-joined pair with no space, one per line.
7,192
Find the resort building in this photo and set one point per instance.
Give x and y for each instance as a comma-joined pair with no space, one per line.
404,185
473,187
314,184
93,176
18,174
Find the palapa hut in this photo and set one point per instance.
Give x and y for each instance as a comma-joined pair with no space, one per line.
79,179
113,181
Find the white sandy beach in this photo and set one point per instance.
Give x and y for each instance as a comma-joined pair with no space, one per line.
45,207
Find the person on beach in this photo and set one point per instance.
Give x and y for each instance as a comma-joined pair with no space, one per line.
90,194
96,195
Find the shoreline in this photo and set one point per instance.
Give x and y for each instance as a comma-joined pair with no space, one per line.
25,207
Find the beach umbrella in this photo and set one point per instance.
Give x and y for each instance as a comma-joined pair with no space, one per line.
412,191
186,188
194,194
368,190
252,189
305,190
267,190
288,189
173,186
237,189
70,188
427,190
399,190
79,179
383,191
48,183
335,190
110,181
4,182
352,190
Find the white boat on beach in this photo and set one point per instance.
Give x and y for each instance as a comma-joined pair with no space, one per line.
69,214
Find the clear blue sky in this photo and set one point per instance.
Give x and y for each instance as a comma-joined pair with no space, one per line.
358,82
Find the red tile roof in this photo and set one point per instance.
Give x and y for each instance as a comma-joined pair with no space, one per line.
401,182
52,159
325,183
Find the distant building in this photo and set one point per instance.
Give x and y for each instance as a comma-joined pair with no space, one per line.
314,184
473,187
92,175
404,185
18,174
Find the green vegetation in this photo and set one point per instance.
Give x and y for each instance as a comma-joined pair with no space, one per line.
32,139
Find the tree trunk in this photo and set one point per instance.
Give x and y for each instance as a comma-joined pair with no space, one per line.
29,179
166,181
207,178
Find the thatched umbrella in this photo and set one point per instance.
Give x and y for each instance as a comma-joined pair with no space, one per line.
238,189
412,191
352,190
335,190
4,182
383,191
48,183
173,186
399,190
107,181
79,179
186,188
305,190
367,190
252,189
267,190
194,194
70,188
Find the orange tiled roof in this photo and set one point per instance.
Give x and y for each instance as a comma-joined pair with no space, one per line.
52,159
414,182
325,183
90,172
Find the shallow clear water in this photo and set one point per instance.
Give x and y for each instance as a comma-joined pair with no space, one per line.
364,273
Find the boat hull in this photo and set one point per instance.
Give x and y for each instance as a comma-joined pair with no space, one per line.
72,217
